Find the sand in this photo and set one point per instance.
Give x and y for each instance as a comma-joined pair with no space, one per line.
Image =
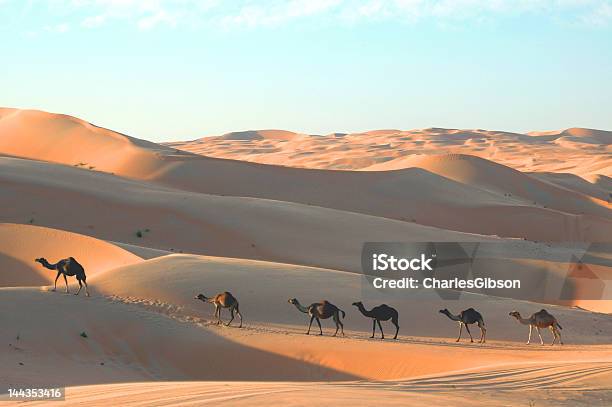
417,195
270,215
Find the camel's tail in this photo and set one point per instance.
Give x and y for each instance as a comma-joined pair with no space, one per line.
343,313
558,325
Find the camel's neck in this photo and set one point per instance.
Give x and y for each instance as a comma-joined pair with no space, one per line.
48,265
524,321
364,311
300,307
453,317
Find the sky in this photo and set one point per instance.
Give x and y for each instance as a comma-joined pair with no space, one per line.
183,69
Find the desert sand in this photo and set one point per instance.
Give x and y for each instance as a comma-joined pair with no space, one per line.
270,215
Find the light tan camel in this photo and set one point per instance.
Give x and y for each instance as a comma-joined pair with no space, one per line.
321,310
222,300
541,319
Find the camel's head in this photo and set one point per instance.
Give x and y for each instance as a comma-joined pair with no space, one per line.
358,304
515,314
292,301
444,311
40,260
200,297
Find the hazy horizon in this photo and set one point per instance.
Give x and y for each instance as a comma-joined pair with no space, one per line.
167,70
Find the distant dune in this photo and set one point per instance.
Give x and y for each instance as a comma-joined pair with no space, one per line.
582,152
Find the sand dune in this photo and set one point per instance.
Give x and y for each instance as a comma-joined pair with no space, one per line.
150,329
115,209
21,244
579,151
357,394
413,195
600,187
71,141
272,214
262,302
484,174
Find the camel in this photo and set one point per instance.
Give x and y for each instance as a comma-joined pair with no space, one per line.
67,267
467,317
541,319
381,313
321,310
222,300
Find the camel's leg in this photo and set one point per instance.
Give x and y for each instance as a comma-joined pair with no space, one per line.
529,339
341,325
559,335
232,318
483,333
554,334
373,328
80,286
467,328
460,330
394,321
59,273
218,313
320,329
311,319
540,335
66,281
240,315
337,324
86,286
381,331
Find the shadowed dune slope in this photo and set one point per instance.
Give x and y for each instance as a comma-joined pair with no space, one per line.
124,343
116,209
21,244
485,174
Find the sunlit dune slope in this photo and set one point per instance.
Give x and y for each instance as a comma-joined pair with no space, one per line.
171,282
68,140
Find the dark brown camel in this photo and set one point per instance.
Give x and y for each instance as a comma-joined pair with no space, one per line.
321,310
381,313
467,317
67,267
222,300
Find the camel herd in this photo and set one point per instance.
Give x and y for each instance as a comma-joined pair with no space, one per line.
325,309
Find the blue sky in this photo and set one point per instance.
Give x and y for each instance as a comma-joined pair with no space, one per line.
183,69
